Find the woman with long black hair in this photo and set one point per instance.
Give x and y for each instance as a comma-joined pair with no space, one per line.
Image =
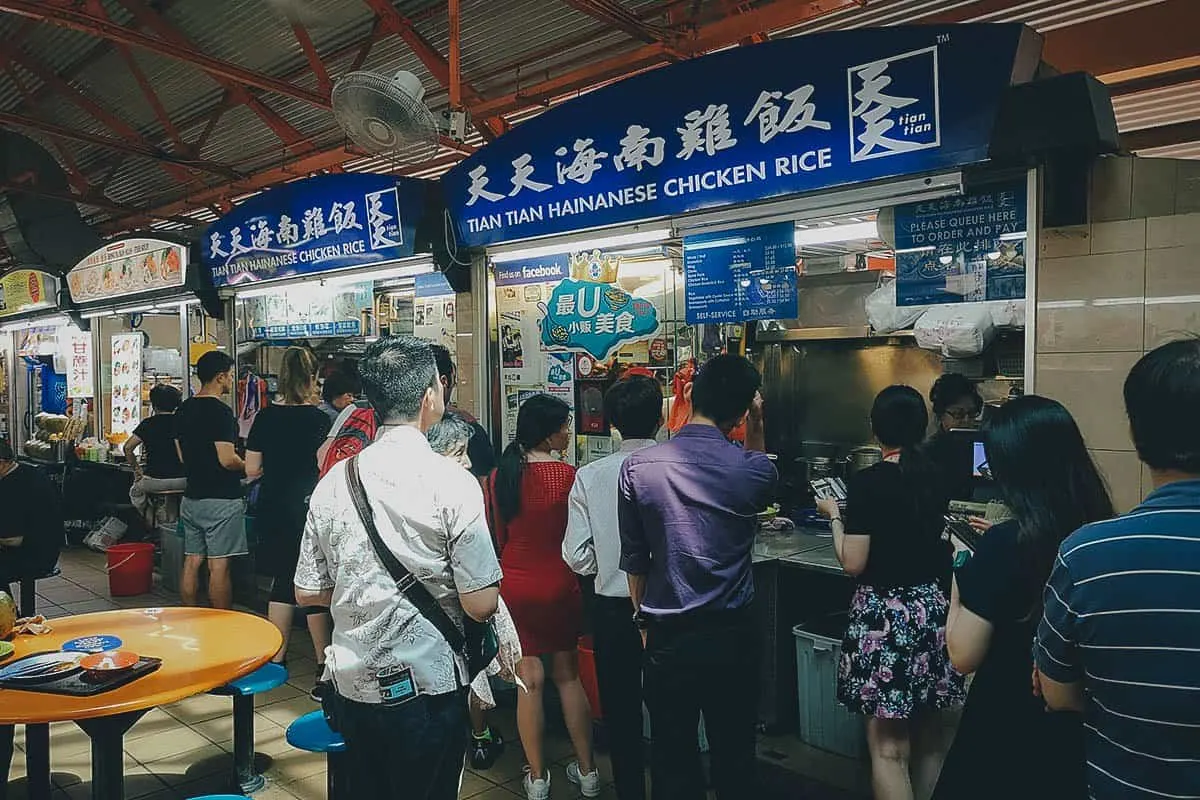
1008,745
894,668
527,503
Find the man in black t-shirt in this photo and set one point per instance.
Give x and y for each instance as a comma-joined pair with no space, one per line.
212,512
479,448
162,471
31,527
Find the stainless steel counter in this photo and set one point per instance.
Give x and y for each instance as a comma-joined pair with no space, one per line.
803,548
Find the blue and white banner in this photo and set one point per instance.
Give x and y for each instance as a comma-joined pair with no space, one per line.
315,225
741,275
785,117
962,249
432,284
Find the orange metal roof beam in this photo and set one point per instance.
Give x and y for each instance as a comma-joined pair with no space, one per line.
119,144
86,23
722,33
438,65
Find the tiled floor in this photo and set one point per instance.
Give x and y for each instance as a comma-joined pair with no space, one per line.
184,750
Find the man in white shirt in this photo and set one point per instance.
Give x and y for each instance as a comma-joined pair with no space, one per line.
592,546
400,699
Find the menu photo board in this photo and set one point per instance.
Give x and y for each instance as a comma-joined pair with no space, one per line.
741,275
313,311
126,392
126,267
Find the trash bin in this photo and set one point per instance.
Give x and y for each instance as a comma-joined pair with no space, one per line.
824,723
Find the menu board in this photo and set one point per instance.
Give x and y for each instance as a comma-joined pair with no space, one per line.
80,377
126,382
126,267
741,275
317,311
962,249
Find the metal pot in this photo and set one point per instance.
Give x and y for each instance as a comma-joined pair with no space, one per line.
860,458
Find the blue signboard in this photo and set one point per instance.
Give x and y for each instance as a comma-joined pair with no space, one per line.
784,117
741,275
962,249
433,284
315,225
546,270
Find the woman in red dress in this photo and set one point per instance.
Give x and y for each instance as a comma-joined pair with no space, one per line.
527,497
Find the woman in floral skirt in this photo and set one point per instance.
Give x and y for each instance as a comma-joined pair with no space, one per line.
895,669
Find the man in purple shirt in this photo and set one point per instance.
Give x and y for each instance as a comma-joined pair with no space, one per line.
687,517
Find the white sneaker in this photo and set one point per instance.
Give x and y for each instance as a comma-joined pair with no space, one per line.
538,788
589,785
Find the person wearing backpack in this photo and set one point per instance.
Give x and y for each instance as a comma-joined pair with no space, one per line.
400,684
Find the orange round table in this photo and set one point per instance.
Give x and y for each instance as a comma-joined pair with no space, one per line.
201,649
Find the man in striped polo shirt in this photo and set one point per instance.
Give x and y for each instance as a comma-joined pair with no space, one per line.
1120,638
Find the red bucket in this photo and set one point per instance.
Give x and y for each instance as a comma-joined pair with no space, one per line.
130,569
587,676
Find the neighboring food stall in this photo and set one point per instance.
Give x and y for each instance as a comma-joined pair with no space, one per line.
330,262
151,314
47,364
842,222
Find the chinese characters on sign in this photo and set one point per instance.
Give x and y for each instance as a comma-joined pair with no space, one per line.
298,312
729,128
323,223
962,249
80,378
741,275
588,312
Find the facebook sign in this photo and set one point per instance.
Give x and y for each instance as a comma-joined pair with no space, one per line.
752,123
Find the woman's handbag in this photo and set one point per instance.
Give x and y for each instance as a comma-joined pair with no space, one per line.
477,642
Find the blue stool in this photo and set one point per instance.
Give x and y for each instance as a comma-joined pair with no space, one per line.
312,734
267,677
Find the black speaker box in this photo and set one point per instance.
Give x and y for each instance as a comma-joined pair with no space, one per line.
1064,115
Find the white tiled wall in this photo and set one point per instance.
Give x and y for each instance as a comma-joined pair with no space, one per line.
1113,289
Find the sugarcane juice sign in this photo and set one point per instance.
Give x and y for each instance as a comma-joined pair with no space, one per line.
23,290
586,311
747,124
128,266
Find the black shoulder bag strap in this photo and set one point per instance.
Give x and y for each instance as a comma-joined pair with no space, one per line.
411,588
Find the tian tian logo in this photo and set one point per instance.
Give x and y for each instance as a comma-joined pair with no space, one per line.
383,219
894,105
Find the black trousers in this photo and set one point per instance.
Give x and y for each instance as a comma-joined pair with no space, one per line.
705,663
413,751
618,647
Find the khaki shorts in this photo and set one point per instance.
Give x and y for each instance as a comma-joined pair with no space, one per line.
214,528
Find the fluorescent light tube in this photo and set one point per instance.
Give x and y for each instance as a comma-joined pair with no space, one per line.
601,243
836,233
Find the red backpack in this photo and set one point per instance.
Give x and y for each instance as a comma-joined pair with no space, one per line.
356,433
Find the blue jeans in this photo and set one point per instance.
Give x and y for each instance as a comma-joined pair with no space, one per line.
413,751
